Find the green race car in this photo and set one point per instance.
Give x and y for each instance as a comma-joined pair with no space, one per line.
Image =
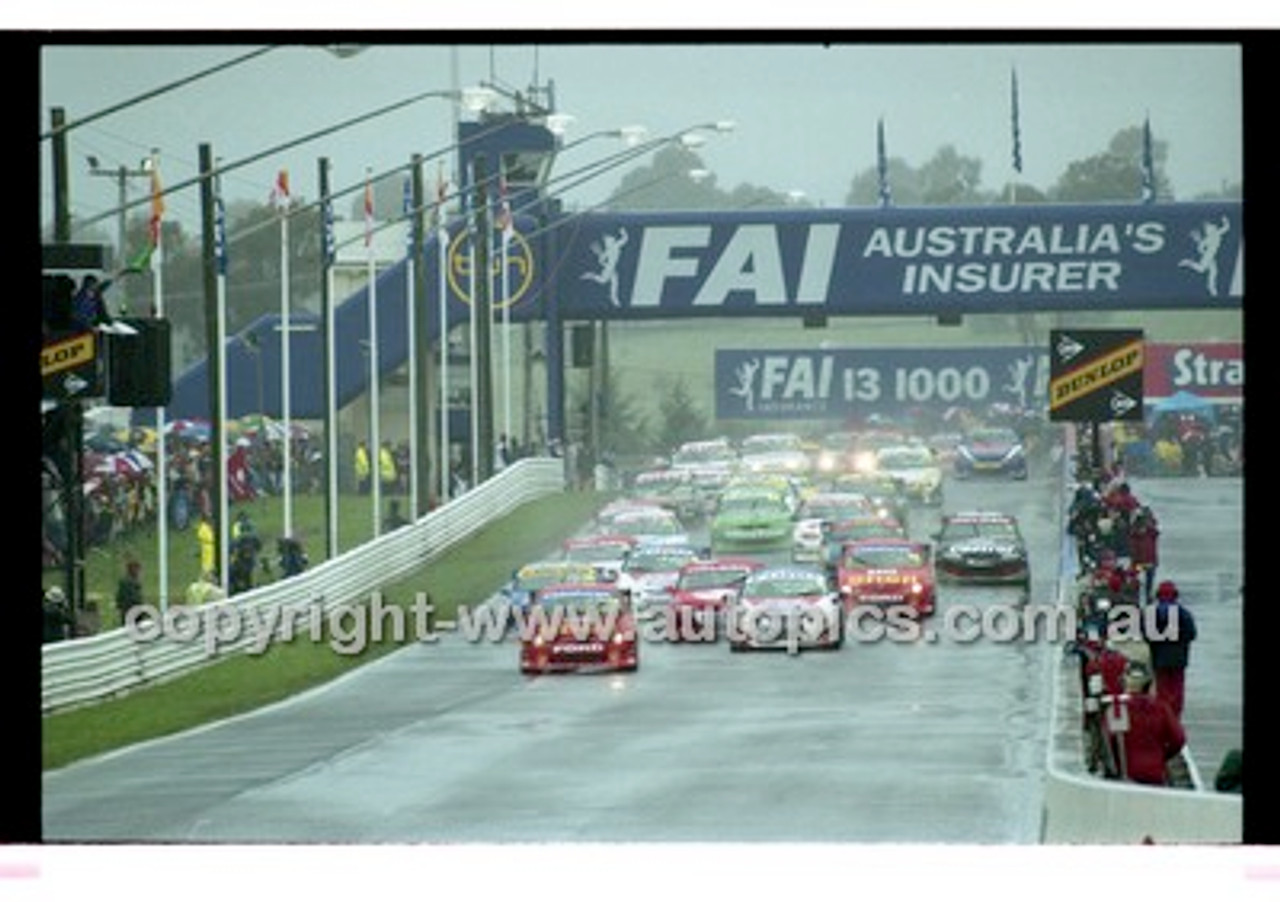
751,521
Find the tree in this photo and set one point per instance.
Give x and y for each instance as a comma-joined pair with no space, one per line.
1115,174
682,421
665,184
946,178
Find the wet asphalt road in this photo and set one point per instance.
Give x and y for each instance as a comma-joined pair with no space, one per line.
938,741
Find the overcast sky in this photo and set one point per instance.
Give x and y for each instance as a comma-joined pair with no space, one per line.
805,113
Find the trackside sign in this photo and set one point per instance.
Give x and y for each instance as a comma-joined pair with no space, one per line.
1095,375
903,261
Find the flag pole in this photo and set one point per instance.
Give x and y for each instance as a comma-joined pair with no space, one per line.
286,342
330,364
375,442
506,317
442,252
162,455
473,361
224,553
411,324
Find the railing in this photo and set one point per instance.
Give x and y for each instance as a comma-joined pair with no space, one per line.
1082,808
80,671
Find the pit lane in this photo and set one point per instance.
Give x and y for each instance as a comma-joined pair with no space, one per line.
927,742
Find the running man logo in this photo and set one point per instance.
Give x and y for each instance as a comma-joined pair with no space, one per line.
1102,382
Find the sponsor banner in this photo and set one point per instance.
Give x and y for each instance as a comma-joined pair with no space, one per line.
1095,375
903,261
69,367
849,383
1208,369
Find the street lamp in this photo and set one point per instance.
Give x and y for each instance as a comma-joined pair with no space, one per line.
121,174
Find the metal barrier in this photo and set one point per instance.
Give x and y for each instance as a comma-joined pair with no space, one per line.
1082,808
80,671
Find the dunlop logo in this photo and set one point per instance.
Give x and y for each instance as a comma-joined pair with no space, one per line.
1098,373
63,355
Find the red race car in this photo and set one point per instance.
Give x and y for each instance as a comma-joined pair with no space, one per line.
605,552
702,591
887,572
571,627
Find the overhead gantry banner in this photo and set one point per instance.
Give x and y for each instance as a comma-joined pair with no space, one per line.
901,261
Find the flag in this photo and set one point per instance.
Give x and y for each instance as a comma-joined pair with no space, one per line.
408,214
280,191
442,190
368,211
882,166
157,207
330,243
141,261
1148,166
1017,136
220,234
505,221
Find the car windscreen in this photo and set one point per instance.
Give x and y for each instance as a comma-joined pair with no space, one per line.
882,557
711,579
784,586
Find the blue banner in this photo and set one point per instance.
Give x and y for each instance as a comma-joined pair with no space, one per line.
902,261
850,383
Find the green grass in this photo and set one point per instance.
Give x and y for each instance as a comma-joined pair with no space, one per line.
466,574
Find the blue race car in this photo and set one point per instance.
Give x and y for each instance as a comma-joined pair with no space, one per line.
991,451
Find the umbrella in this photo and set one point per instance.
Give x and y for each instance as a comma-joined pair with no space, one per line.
195,430
1184,402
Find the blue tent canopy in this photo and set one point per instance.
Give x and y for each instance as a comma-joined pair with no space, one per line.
1184,402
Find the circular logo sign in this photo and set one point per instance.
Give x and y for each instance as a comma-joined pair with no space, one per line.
519,269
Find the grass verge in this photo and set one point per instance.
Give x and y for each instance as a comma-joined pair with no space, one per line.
466,574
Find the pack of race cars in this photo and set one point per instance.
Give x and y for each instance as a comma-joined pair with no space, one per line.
834,512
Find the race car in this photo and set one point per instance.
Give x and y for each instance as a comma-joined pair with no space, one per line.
867,443
868,526
653,524
887,572
991,451
579,627
781,452
981,546
885,492
786,607
672,489
943,445
538,575
835,453
915,468
817,510
702,591
605,552
649,572
711,455
750,520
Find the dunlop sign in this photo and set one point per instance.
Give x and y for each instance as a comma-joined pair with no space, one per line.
69,367
1095,376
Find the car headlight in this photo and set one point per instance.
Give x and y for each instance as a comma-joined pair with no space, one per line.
1013,453
964,453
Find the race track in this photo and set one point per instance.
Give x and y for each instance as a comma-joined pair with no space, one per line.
925,742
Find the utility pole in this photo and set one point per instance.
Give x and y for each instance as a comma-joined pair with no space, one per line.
209,268
425,416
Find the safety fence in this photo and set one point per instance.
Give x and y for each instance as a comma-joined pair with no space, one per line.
93,668
1080,807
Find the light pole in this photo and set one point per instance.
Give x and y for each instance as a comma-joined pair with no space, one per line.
122,174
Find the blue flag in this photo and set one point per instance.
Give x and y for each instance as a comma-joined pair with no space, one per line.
882,166
220,234
330,244
408,215
1148,166
1017,135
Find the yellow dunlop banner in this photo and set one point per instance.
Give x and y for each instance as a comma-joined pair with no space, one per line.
1096,374
71,352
